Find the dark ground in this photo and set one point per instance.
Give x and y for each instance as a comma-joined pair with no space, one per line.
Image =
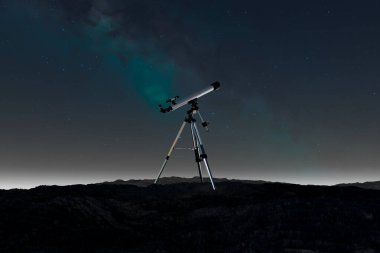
190,217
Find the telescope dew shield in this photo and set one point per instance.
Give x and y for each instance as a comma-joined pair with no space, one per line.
214,86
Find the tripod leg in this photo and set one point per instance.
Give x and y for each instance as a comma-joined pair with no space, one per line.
203,154
171,150
198,160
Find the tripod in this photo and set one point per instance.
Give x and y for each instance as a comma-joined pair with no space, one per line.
199,150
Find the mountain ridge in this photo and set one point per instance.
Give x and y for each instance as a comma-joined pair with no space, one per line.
375,185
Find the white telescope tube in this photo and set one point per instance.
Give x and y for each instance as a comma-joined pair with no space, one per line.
214,86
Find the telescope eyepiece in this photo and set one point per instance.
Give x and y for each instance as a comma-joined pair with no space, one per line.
165,110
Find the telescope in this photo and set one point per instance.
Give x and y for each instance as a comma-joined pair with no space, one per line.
198,147
188,100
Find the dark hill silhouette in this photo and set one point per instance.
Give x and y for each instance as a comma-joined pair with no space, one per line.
366,185
176,180
190,217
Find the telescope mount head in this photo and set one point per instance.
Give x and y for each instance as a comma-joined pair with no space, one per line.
193,110
194,106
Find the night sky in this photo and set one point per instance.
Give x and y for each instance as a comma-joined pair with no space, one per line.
80,81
